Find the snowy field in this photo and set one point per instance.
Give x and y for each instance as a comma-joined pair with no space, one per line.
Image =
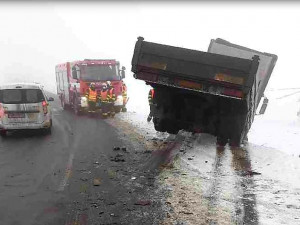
279,127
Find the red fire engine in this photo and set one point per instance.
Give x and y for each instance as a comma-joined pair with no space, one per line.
73,80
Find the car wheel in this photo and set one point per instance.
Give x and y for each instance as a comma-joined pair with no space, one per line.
49,129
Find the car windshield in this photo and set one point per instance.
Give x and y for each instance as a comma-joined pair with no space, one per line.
99,72
17,96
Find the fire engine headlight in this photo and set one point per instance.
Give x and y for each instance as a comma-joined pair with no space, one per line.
119,100
83,102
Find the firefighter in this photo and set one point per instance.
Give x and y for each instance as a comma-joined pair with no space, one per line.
92,97
112,98
150,100
124,94
104,100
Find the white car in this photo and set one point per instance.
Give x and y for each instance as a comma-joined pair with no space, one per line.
24,106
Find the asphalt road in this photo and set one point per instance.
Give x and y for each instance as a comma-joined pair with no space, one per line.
74,176
120,171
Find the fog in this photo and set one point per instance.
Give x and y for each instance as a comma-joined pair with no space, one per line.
37,36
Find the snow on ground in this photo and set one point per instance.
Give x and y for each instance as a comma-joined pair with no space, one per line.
279,127
273,194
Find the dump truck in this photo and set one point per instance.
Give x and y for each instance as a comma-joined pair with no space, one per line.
215,92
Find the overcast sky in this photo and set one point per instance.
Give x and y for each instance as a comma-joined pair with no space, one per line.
35,37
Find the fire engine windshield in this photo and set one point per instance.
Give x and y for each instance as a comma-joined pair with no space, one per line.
100,72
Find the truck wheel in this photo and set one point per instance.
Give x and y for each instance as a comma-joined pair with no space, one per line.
221,141
159,125
75,107
3,133
63,104
235,141
171,127
118,109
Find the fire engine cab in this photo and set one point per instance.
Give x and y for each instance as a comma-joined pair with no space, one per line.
73,80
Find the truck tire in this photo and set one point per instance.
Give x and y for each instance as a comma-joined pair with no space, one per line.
235,141
221,141
171,127
159,125
63,104
75,107
118,109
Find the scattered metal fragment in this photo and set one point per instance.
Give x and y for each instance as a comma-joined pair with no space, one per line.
97,182
143,202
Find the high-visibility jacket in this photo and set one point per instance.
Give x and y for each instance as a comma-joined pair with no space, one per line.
124,94
108,95
151,96
112,95
104,96
92,95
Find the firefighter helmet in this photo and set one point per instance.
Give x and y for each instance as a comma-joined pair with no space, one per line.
104,86
92,86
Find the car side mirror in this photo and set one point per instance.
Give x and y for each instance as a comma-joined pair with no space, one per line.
50,99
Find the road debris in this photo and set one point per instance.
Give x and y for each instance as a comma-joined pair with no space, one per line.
84,179
97,182
143,202
187,213
111,173
118,158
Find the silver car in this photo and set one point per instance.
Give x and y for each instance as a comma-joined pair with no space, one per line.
24,106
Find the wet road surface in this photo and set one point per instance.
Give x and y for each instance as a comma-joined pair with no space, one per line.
120,171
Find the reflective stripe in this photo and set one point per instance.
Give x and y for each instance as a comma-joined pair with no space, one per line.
111,95
151,96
